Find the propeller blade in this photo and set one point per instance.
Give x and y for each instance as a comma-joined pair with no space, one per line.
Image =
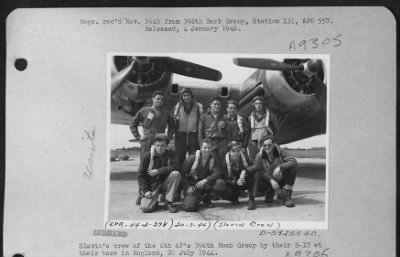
265,64
188,69
320,90
118,79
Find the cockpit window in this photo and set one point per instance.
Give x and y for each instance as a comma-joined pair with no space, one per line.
224,91
174,89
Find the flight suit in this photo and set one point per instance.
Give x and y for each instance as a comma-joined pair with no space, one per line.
227,186
193,173
167,181
152,124
259,128
238,130
263,168
186,129
214,128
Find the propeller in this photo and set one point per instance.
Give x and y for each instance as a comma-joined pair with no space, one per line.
265,64
145,69
310,67
119,78
186,68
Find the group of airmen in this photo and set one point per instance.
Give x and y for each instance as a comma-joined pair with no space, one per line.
216,155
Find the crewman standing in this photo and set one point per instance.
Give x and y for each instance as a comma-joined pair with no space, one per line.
262,123
237,126
154,119
213,125
187,113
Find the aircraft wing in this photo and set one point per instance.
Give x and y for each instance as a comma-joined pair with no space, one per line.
294,90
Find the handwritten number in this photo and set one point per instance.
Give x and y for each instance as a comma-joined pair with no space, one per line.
326,41
338,40
325,252
314,41
303,42
316,254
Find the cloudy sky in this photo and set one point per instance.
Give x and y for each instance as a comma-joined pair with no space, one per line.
120,134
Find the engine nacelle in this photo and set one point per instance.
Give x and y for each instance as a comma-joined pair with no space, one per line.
279,95
141,82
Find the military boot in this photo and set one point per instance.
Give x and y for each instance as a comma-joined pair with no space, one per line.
139,200
207,201
251,205
288,202
269,196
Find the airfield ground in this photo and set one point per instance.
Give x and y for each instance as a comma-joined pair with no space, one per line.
309,195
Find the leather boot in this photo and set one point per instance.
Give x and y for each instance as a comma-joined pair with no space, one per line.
251,205
235,200
138,200
171,208
207,201
288,202
269,196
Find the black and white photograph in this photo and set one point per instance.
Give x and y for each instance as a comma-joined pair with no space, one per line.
200,131
218,137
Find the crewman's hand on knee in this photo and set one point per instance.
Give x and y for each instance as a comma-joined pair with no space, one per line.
148,194
201,184
274,184
153,172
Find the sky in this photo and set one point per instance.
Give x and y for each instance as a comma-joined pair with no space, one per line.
120,134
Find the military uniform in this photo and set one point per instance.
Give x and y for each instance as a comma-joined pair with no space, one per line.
264,167
195,169
214,128
238,130
167,181
153,123
186,129
231,171
260,127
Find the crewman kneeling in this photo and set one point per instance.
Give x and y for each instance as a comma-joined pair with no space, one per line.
236,175
200,171
158,174
275,169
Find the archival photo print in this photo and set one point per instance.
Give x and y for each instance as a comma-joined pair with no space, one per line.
232,137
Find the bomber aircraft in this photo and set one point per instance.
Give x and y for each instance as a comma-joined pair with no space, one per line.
294,89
